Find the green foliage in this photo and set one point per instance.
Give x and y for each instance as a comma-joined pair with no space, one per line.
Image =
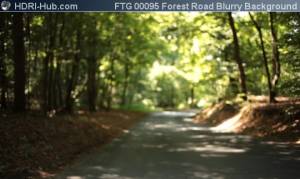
142,61
140,107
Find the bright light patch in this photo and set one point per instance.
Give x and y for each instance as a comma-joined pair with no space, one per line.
210,148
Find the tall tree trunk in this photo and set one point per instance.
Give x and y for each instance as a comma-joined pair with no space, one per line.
3,84
275,57
110,84
27,20
19,63
48,66
192,90
45,84
125,84
52,46
237,56
72,82
58,86
265,60
57,79
92,84
46,69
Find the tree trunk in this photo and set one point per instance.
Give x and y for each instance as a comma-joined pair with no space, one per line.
3,84
45,84
92,85
72,82
192,96
110,83
265,60
57,81
19,63
49,65
51,92
51,84
237,57
28,54
125,84
275,57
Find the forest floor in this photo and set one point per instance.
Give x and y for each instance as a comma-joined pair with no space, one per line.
279,121
28,142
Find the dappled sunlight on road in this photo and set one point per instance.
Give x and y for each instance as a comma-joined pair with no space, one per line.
169,145
74,177
193,128
209,148
170,114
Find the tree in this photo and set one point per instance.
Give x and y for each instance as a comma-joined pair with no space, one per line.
275,57
92,83
3,83
19,63
237,56
92,65
66,62
93,54
72,81
265,60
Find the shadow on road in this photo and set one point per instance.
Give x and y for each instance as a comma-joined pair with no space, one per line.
169,145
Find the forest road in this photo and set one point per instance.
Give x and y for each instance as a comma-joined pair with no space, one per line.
168,145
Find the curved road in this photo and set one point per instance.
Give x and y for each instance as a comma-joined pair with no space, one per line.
168,145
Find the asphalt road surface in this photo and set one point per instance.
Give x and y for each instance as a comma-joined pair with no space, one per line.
168,145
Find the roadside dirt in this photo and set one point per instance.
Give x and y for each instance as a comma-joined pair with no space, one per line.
32,146
217,113
279,121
